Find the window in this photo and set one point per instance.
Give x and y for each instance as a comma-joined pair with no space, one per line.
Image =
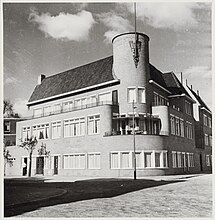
47,110
205,120
57,108
210,140
174,159
209,122
132,95
114,158
94,124
141,95
148,158
183,159
74,161
6,126
74,127
25,133
206,139
188,109
165,159
139,160
189,130
177,127
94,161
208,160
91,101
172,124
41,131
191,159
157,159
125,160
179,159
105,98
182,127
38,112
56,129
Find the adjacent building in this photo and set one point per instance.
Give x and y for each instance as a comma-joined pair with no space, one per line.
86,117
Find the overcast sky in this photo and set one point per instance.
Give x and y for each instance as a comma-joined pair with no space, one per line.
50,38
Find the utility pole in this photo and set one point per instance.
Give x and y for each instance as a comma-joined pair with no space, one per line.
134,153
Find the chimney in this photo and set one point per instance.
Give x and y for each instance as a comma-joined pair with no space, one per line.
181,78
198,92
191,86
41,78
186,83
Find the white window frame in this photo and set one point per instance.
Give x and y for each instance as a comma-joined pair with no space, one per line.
94,124
7,124
128,94
79,167
143,96
52,127
94,160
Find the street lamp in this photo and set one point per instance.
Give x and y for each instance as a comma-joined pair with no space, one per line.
134,153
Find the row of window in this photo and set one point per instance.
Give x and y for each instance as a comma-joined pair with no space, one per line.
76,104
207,121
160,100
71,128
144,159
182,159
177,127
208,140
133,93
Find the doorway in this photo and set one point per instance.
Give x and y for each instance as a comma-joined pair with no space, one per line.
201,163
40,165
55,165
25,168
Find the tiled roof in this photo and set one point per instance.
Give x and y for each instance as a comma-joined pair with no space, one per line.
87,75
201,102
173,84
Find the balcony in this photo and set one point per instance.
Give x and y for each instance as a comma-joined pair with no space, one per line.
72,109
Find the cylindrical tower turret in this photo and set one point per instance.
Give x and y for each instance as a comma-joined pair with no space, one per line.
133,73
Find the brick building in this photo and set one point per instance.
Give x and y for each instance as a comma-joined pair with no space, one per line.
86,117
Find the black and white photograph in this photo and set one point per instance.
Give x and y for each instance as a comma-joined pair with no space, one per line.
107,109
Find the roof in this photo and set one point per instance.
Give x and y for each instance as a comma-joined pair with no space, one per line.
199,99
173,84
84,76
95,73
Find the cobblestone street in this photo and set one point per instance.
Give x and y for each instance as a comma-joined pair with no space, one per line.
189,198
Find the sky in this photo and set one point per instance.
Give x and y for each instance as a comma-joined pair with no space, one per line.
48,38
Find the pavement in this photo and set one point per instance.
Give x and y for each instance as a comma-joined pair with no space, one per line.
186,196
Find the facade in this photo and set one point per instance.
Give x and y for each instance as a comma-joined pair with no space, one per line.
87,117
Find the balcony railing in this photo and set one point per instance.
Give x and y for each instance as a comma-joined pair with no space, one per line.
71,109
129,132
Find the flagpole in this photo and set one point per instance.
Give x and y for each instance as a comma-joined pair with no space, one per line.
135,28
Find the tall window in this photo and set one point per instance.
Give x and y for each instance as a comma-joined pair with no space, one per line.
125,160
209,122
174,159
67,106
91,101
114,158
74,161
26,133
188,108
47,110
182,127
177,127
165,159
206,139
172,124
208,160
132,95
205,120
94,124
210,140
139,160
141,95
148,159
179,159
157,159
94,161
74,127
189,130
57,108
56,129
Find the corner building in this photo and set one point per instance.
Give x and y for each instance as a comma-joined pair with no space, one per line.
84,116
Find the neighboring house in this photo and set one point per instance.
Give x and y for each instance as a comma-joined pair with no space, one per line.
85,118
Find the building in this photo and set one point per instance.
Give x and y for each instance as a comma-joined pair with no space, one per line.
86,117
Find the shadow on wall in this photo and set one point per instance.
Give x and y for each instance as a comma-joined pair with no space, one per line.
44,194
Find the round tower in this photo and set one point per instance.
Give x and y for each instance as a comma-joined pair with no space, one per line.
131,66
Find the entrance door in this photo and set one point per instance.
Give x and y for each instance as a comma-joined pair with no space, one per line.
201,164
55,165
40,165
25,168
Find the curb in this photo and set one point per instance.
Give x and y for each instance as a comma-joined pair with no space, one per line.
36,200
